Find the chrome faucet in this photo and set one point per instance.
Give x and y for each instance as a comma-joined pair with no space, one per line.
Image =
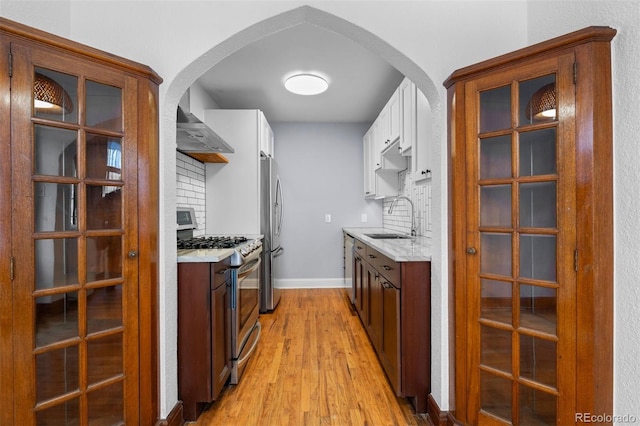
393,204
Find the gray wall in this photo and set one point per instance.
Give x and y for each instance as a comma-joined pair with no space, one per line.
321,169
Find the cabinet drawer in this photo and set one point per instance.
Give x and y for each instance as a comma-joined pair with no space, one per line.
388,268
220,272
360,248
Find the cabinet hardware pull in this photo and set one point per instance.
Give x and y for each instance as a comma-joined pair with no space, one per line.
371,256
386,268
132,254
471,250
223,271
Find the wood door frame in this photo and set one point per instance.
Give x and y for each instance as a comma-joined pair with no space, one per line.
594,300
148,210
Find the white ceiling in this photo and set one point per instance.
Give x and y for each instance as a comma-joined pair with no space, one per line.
360,82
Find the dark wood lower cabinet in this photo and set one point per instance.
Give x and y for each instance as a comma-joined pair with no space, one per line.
392,300
390,346
204,334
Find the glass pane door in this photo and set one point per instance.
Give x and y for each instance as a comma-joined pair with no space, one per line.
516,279
78,289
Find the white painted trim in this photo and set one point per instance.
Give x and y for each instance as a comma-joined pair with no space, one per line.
291,283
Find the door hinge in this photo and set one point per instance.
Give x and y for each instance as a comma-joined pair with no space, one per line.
10,65
575,260
575,73
11,267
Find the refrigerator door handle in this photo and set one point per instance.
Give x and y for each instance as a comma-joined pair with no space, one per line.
278,252
280,205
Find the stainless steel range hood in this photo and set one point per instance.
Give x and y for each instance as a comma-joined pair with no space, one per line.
193,136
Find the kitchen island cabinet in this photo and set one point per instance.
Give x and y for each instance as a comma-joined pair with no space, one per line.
392,300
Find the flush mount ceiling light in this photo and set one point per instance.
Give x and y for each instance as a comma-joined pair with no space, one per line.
49,97
306,84
542,105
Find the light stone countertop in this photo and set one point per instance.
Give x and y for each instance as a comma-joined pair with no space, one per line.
414,249
203,255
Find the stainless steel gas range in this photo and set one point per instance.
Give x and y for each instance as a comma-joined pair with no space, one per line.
243,255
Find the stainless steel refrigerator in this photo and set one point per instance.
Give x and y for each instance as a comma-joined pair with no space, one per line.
271,215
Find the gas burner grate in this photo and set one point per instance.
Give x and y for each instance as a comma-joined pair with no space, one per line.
217,242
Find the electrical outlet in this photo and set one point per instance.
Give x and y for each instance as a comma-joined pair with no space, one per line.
327,218
363,217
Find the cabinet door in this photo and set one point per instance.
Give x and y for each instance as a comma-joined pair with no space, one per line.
75,230
374,319
221,338
394,108
390,347
521,240
408,115
368,159
420,151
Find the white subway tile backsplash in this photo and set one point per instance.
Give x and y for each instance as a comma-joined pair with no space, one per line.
400,219
190,187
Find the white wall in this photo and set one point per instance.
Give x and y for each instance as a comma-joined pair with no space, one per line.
321,170
426,40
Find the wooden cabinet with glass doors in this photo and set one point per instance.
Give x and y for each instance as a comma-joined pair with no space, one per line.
79,166
531,170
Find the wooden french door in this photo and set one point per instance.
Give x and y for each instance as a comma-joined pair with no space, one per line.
74,240
520,245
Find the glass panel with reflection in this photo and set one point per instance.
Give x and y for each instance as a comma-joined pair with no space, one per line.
56,372
104,157
495,395
56,318
495,348
55,95
538,308
496,300
538,360
55,151
495,256
537,407
538,152
106,405
104,106
537,100
495,109
65,413
104,358
56,262
495,157
538,205
104,258
104,207
104,308
56,207
495,205
538,257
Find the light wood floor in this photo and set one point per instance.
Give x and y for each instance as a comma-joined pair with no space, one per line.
314,366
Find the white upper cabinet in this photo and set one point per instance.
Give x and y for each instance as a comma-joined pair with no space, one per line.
407,92
266,137
402,130
389,121
421,149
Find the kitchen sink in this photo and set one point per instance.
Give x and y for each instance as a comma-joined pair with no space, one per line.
387,236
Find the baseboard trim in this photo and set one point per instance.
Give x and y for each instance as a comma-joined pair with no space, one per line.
293,283
175,417
437,416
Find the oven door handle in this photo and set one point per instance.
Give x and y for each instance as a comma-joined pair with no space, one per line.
248,269
256,329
